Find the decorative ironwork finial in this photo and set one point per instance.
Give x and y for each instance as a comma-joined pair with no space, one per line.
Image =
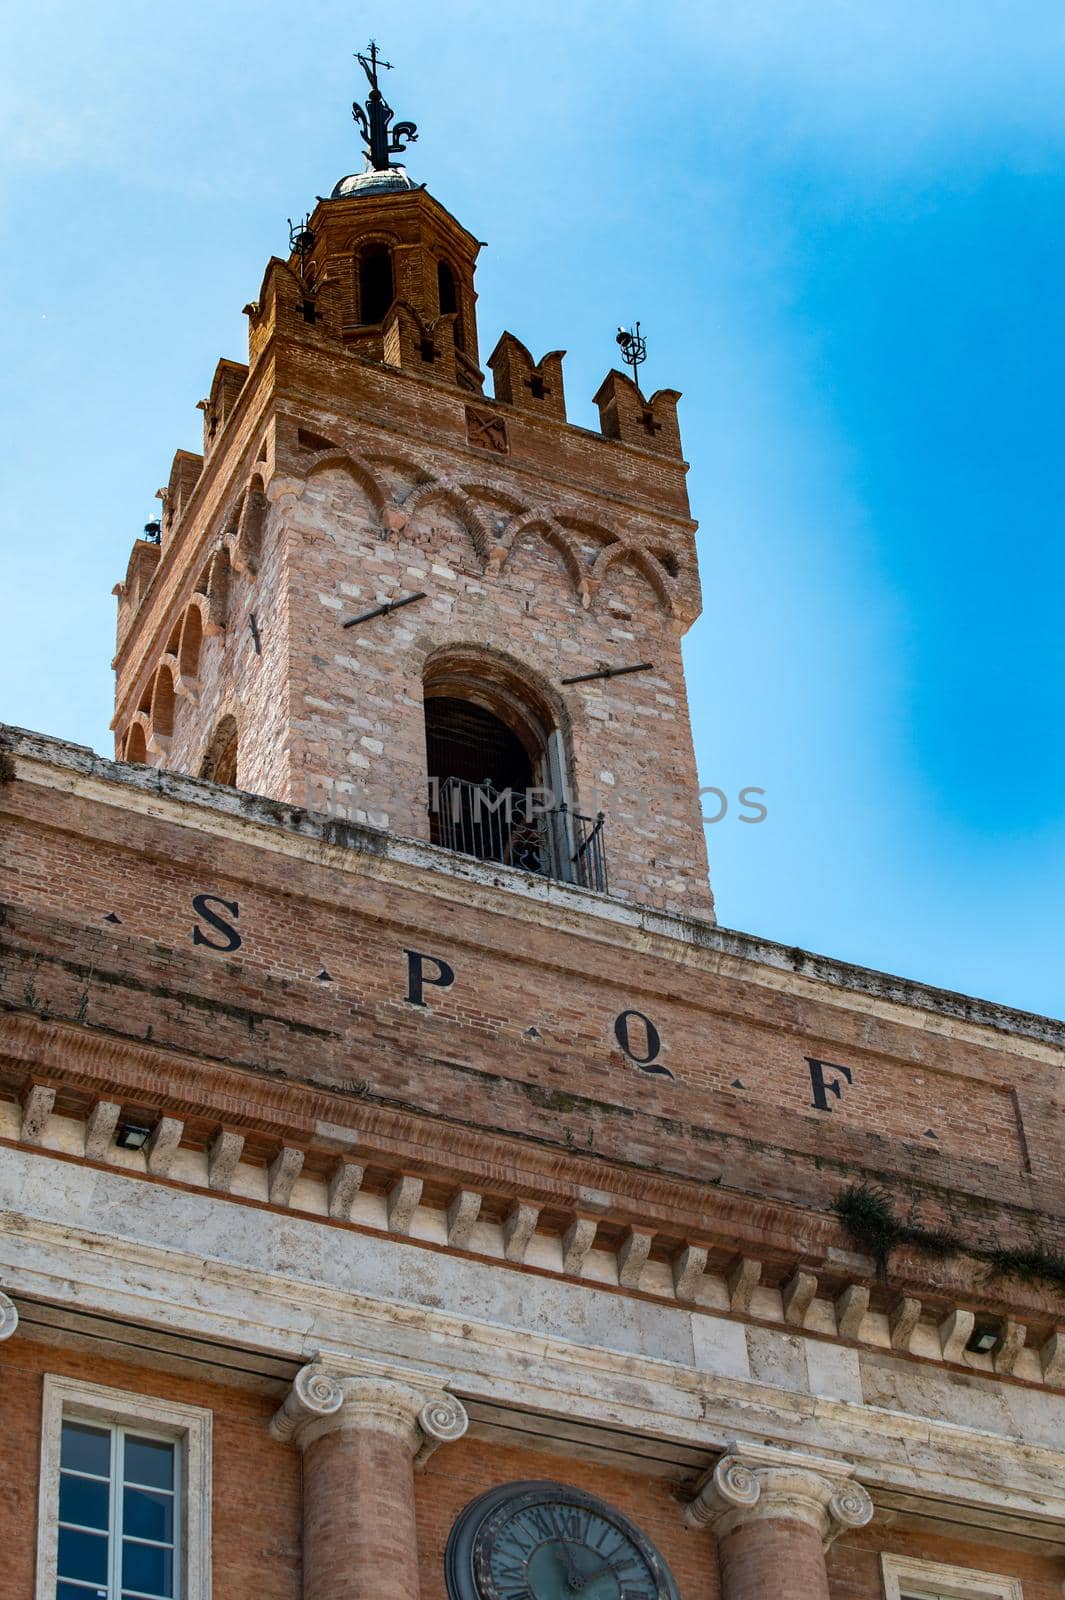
382,140
633,347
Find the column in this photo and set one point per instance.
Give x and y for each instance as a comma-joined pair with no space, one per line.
774,1514
362,1430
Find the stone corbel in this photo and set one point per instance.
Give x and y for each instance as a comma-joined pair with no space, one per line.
337,1392
753,1483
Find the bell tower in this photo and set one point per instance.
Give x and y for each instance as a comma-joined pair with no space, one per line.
383,594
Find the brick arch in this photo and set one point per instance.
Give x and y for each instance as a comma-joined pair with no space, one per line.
135,747
192,630
492,492
218,586
164,700
453,495
550,531
356,467
595,532
247,542
404,464
645,564
530,677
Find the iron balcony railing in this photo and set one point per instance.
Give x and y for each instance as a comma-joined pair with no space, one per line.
510,826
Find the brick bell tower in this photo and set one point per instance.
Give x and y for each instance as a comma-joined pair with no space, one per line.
383,594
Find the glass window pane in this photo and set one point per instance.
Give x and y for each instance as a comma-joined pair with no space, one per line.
149,1461
147,1514
85,1449
83,1555
84,1500
75,1591
147,1568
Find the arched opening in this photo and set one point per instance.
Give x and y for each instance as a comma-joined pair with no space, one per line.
376,288
136,745
220,761
191,641
448,297
163,705
218,592
496,764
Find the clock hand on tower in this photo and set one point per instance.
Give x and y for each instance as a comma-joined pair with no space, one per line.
574,1581
596,1572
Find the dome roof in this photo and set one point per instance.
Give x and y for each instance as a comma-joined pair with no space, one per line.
373,181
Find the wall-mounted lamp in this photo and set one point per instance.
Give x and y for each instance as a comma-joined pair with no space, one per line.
132,1136
983,1339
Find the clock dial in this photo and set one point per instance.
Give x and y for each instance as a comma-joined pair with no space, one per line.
544,1541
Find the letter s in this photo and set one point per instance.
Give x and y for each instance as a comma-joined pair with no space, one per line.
201,904
755,805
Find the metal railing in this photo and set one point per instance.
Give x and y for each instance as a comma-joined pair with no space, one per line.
512,827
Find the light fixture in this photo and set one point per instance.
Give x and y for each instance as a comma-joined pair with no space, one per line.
983,1339
132,1136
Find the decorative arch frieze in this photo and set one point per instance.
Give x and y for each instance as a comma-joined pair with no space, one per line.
356,467
552,534
645,564
451,494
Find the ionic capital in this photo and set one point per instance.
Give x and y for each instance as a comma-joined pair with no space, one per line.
335,1393
8,1316
751,1484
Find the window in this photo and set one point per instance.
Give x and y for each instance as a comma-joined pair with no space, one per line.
376,291
447,296
906,1579
118,1523
497,775
125,1496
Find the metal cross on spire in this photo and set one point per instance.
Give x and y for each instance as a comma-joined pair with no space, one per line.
382,140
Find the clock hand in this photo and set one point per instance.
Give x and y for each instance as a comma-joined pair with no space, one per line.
596,1572
574,1581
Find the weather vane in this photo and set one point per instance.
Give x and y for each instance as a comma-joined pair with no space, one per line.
382,140
633,347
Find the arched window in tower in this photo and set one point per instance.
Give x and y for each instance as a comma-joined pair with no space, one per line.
498,788
448,297
376,287
220,762
136,745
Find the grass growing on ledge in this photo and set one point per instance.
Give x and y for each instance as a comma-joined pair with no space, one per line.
869,1217
1034,1265
866,1213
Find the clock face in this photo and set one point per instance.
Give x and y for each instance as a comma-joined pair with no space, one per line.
543,1541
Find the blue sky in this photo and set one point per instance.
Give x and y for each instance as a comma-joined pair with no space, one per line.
842,225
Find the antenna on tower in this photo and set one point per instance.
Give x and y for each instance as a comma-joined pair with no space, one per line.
633,347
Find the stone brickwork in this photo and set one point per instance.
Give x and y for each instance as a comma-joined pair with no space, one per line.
343,478
393,1176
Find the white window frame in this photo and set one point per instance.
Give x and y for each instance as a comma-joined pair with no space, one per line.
930,1580
67,1400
